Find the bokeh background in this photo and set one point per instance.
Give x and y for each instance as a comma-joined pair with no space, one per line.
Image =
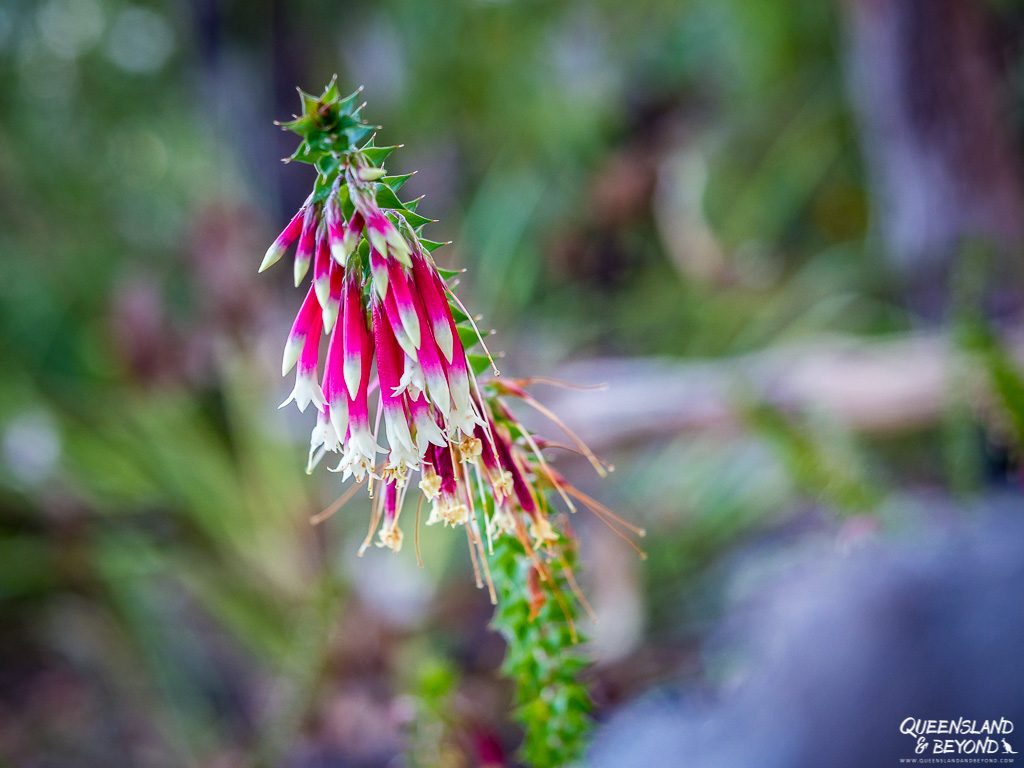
786,235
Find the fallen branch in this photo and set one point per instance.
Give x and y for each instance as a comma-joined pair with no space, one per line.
869,386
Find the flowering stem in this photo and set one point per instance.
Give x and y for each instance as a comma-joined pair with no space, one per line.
398,333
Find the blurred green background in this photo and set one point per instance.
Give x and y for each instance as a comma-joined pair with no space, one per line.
784,234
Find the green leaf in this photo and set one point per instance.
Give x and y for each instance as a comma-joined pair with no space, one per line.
359,132
396,182
346,104
469,337
431,246
310,103
415,219
330,93
377,155
387,199
321,189
328,165
479,363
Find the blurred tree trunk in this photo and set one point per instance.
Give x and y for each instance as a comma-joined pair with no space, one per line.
941,159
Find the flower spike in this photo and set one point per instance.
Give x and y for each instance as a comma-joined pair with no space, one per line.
393,324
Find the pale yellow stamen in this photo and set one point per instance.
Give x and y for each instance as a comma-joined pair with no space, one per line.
455,513
390,537
542,531
503,483
399,474
469,449
502,523
430,484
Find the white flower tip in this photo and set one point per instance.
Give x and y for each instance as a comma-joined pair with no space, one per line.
292,350
401,254
330,313
322,288
399,248
428,432
443,337
339,253
352,370
349,242
377,241
273,255
307,390
301,267
412,327
440,396
339,419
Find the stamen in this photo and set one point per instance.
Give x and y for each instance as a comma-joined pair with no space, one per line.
547,470
561,384
598,507
472,557
416,533
570,577
476,330
595,462
608,522
374,522
483,511
572,449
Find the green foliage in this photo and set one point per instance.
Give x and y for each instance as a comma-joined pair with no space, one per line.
430,729
543,658
1002,373
821,465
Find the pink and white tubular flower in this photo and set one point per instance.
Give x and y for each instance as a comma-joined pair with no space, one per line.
430,286
430,480
284,240
390,534
464,415
337,235
447,508
379,272
322,266
433,367
427,431
435,305
336,283
323,439
381,233
303,346
307,243
403,454
353,233
499,478
335,391
400,286
391,312
361,448
519,484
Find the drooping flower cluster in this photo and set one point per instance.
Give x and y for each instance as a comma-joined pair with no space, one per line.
396,333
